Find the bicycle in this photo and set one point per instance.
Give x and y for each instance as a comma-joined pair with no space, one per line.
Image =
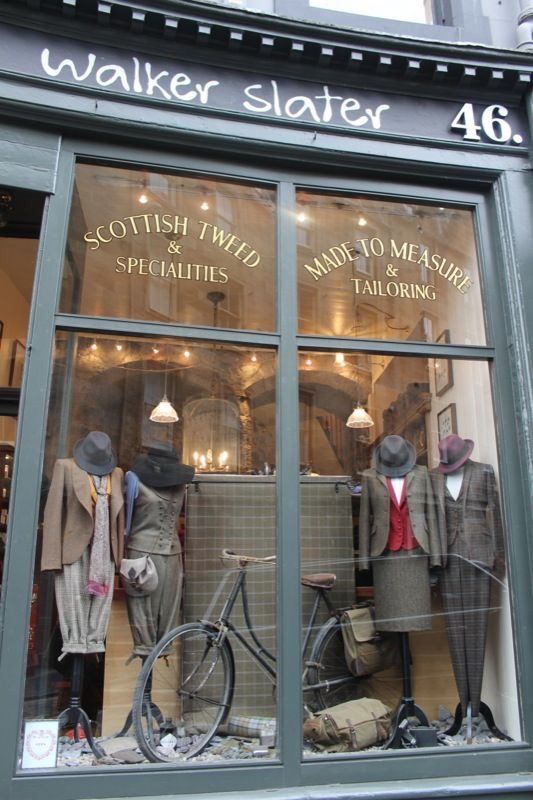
191,671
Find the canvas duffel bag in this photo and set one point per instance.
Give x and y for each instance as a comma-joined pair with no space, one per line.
366,651
349,726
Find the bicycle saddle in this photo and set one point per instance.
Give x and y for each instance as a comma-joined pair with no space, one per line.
319,580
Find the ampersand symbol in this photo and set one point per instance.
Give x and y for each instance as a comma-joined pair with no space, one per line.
391,272
174,247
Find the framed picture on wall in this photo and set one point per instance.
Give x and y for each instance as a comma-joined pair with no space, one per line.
16,364
447,421
443,368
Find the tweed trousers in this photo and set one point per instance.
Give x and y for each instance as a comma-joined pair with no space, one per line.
465,590
152,616
83,617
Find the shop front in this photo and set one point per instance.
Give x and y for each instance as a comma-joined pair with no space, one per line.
266,435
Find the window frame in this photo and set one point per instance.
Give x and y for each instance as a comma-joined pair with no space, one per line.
290,771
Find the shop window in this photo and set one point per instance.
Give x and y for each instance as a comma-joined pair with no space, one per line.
400,468
379,268
157,247
20,220
192,426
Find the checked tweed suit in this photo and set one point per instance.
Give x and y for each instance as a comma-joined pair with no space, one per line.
474,539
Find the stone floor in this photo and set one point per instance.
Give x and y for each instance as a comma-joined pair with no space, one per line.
124,750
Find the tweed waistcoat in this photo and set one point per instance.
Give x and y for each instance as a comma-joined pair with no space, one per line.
155,520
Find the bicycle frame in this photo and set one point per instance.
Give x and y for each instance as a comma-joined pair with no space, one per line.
260,653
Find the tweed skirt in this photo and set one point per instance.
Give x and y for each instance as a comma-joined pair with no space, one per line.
402,594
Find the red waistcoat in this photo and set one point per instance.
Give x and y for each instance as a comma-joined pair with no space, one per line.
401,535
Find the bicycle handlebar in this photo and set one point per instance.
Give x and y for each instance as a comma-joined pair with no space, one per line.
243,560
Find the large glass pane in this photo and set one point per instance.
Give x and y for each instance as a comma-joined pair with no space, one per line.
154,246
20,221
160,455
403,546
385,270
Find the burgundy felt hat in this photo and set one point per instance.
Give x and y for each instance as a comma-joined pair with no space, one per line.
454,451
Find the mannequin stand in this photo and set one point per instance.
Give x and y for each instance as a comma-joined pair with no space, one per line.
74,715
149,709
485,712
407,710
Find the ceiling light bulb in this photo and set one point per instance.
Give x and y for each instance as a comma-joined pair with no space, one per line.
186,354
119,347
143,198
254,358
301,217
308,362
94,346
339,360
155,350
361,221
205,206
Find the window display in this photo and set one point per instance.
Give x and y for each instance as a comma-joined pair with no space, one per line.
130,553
155,630
422,620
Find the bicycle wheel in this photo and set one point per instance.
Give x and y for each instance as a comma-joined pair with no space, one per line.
327,669
183,693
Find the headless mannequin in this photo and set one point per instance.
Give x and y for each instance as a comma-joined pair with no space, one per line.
83,533
399,530
474,553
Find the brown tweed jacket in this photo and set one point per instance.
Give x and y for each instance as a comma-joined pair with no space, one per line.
69,515
374,515
480,536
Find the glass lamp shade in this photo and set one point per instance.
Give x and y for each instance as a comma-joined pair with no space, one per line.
359,419
164,412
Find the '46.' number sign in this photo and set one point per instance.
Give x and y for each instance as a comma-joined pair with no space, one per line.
493,125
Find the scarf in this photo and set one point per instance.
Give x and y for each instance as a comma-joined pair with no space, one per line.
100,550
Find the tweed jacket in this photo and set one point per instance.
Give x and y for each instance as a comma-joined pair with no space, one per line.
374,515
479,537
69,515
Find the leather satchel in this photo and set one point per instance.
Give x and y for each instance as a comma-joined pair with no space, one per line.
139,576
366,651
350,726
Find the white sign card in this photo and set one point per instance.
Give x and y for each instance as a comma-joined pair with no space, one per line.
40,743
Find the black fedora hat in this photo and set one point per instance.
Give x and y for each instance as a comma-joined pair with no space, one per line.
454,451
394,456
94,453
161,466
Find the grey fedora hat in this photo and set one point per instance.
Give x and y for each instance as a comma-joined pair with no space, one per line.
394,456
94,453
161,466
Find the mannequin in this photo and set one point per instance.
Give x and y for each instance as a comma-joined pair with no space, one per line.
155,490
468,496
83,536
400,531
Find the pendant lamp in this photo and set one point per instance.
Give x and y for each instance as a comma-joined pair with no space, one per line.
359,418
164,410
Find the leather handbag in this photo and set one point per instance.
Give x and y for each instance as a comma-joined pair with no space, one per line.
350,726
366,651
139,576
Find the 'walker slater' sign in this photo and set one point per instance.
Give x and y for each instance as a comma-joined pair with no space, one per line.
184,84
